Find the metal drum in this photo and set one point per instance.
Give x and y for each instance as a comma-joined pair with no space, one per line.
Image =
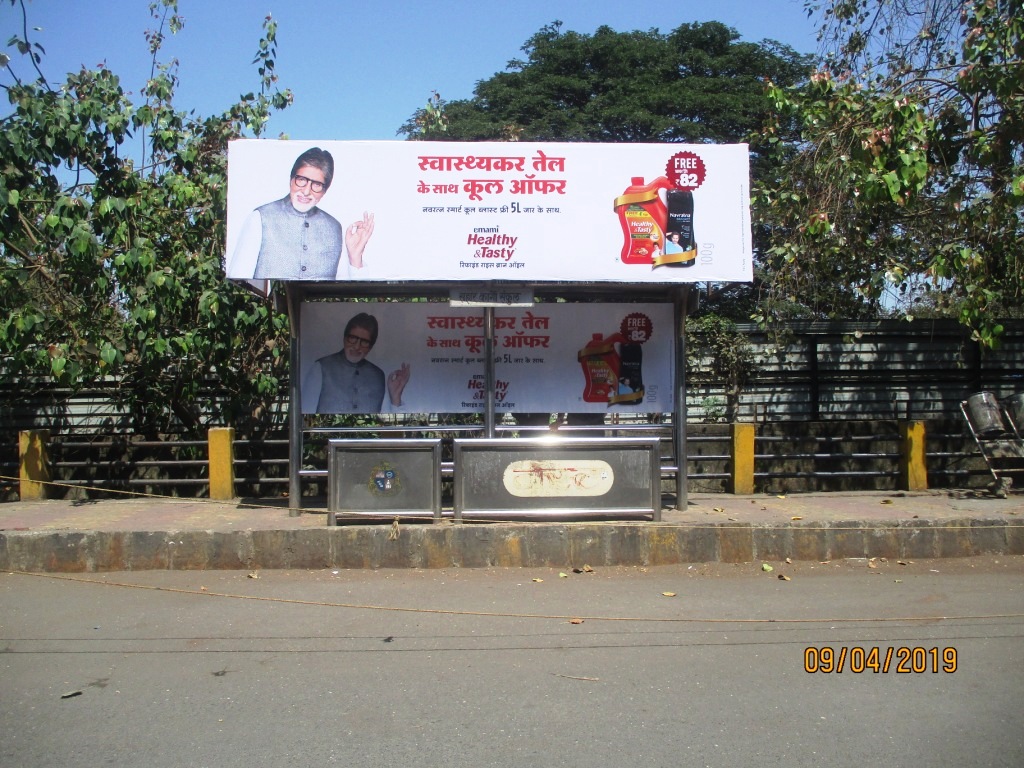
985,414
1014,406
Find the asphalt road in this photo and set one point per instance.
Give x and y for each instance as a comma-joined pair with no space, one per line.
504,667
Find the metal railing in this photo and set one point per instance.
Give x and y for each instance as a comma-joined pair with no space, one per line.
795,461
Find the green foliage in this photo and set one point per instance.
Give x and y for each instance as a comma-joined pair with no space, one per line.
112,269
431,122
904,180
719,353
696,83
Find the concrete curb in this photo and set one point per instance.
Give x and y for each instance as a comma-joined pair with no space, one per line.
561,545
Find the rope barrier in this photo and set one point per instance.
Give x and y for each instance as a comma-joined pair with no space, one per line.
507,615
392,519
164,497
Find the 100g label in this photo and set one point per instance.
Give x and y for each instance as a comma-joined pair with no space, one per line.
858,659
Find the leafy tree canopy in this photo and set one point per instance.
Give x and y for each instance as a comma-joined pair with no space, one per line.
698,83
905,181
112,218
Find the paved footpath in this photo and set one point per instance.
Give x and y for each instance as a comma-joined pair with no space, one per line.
145,533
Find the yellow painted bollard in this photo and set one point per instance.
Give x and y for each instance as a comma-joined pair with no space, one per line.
742,454
913,457
34,470
221,445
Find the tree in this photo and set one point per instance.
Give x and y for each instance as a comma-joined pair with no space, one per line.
112,268
907,177
717,351
697,83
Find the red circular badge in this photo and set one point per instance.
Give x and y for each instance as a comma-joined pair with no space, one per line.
636,328
685,170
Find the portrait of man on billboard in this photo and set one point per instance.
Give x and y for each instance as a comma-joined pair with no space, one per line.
346,382
292,238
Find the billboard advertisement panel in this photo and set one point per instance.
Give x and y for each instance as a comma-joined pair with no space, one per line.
518,212
417,357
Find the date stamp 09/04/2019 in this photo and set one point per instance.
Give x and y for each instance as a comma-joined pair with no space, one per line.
876,659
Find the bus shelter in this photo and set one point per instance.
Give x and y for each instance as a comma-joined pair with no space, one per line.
551,278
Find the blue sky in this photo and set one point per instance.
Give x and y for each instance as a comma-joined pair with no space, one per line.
358,70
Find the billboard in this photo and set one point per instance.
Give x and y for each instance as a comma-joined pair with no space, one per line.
417,357
518,212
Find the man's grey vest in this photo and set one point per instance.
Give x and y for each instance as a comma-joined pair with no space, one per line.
350,387
298,246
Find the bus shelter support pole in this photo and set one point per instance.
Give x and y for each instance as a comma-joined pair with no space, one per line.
682,295
489,378
295,419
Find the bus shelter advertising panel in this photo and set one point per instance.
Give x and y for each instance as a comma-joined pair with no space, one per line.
453,211
418,357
